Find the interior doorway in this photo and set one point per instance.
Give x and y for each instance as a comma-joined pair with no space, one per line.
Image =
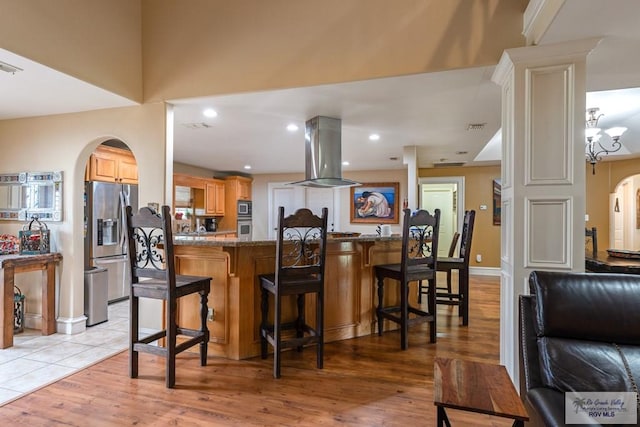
624,217
446,194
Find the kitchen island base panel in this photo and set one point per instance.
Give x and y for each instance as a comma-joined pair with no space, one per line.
235,293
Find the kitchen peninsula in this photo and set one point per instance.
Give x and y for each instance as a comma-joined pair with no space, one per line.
235,264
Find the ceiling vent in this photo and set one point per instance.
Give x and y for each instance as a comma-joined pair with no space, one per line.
196,125
476,126
8,68
448,164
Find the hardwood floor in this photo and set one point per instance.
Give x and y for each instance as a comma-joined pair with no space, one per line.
366,381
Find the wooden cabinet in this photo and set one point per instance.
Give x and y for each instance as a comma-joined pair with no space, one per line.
243,187
237,188
207,194
112,164
215,200
209,262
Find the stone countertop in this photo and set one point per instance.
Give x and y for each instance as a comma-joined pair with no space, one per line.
213,240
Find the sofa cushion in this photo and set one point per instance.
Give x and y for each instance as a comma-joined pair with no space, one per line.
594,307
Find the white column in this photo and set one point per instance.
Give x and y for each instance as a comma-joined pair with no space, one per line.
410,158
543,172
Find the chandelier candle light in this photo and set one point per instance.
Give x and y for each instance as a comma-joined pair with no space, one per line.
594,148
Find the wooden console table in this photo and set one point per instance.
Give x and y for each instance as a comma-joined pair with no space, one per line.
12,264
475,387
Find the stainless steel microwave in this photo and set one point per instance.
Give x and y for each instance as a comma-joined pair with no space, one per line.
244,208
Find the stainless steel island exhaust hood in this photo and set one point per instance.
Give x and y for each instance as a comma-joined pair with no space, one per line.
323,154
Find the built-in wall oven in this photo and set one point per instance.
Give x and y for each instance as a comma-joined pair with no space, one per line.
244,220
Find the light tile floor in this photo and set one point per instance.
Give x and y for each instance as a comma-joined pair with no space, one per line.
35,360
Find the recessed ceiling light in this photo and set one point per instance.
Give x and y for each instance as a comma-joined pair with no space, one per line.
292,127
247,167
374,137
345,163
210,112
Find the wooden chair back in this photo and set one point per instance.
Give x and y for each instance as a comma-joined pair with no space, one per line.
591,239
420,232
151,245
301,245
454,243
467,235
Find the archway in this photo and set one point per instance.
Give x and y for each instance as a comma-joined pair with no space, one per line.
624,215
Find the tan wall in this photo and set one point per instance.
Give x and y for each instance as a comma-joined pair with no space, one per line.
220,46
598,188
478,191
64,142
98,41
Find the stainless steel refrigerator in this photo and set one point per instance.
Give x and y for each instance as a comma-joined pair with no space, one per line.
105,233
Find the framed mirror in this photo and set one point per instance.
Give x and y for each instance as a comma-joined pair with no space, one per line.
25,194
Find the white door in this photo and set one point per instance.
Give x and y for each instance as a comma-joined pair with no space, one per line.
318,198
451,207
294,197
440,197
281,194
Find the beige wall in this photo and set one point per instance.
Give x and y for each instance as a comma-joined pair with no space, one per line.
598,188
96,41
64,142
220,46
478,191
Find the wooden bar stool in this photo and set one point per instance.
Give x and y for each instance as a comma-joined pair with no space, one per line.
153,275
419,259
299,270
460,263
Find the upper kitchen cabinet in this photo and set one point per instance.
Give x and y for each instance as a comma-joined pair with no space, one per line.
206,196
240,187
215,202
111,164
237,188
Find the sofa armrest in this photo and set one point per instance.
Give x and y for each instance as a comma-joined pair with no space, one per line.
530,376
545,407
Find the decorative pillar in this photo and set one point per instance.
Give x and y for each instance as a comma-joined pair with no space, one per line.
543,172
410,158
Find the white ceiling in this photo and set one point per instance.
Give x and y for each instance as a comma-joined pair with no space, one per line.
429,111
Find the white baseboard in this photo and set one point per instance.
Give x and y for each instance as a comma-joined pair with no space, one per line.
71,325
32,321
485,271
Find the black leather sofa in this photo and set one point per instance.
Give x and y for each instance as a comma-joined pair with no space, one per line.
568,327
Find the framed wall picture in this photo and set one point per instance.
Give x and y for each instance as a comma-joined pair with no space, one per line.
376,203
497,201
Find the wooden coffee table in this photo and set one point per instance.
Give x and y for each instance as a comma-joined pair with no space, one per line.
475,387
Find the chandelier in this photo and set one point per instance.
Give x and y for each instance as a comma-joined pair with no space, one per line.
594,147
